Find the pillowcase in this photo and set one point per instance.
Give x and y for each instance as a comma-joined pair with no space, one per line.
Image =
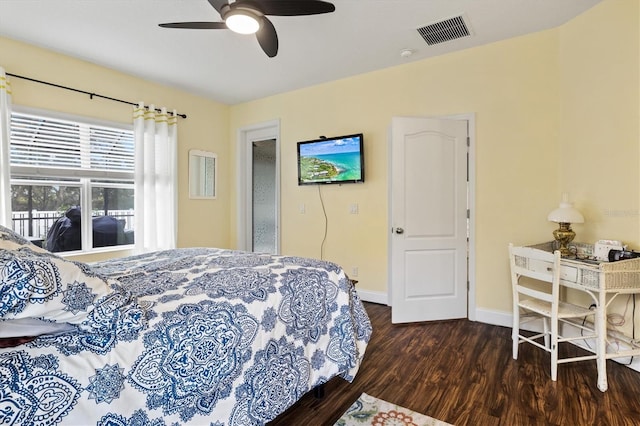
37,284
11,240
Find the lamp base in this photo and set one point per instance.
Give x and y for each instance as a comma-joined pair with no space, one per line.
564,235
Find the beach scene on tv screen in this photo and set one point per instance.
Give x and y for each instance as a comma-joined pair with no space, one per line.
332,160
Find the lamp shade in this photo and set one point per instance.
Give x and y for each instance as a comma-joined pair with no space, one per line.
566,213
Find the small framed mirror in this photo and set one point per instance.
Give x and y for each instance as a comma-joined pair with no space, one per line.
202,174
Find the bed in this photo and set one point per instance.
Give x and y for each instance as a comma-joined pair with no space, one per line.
198,336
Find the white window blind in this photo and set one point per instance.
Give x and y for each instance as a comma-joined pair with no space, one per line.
44,142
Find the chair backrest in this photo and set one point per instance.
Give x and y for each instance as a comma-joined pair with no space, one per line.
539,265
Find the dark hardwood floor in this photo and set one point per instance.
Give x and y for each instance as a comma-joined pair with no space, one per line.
462,372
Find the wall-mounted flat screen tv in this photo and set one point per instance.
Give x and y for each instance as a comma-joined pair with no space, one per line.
338,159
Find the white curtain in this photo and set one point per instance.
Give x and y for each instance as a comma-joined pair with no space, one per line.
156,145
5,168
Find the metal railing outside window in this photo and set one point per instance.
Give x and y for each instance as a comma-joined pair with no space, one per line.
61,163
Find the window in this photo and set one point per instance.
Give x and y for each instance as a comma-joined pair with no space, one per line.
72,181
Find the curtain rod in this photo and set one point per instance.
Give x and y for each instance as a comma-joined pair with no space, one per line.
91,95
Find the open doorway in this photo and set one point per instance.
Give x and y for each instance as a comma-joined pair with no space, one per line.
264,220
259,188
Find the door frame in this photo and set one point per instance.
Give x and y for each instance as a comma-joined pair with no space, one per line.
244,159
471,207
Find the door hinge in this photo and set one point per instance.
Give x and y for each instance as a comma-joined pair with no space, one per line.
468,214
468,141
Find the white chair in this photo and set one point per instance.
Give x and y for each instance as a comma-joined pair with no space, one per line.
532,300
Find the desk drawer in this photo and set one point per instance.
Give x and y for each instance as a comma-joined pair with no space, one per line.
567,273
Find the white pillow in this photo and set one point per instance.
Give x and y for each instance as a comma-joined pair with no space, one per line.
11,240
35,283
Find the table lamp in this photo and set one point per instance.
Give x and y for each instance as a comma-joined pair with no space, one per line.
565,215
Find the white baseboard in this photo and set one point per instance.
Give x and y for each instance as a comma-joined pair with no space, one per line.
487,316
373,296
569,330
505,319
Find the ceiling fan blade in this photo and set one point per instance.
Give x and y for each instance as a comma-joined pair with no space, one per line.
289,7
217,4
196,25
268,38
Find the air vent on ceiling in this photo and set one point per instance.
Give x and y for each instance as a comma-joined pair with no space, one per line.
449,29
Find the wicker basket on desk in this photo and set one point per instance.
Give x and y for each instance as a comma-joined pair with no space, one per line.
621,275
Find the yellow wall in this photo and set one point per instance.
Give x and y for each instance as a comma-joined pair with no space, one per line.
600,128
511,86
552,110
201,222
599,63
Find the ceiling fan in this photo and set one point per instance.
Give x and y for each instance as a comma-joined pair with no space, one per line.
250,16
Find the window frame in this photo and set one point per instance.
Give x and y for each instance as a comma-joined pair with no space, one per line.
85,179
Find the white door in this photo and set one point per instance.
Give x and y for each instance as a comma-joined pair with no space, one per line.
428,215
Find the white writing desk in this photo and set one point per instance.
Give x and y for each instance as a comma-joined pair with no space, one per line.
603,281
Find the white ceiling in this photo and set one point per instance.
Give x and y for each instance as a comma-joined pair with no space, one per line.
360,36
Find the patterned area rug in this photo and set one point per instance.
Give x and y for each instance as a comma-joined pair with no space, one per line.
368,410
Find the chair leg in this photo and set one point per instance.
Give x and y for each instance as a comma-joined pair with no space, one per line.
554,350
515,331
545,325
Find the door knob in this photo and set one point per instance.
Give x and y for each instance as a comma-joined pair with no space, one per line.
399,231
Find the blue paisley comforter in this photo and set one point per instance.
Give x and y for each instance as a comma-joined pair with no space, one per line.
188,336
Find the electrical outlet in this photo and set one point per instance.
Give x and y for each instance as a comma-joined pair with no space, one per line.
302,208
354,271
353,208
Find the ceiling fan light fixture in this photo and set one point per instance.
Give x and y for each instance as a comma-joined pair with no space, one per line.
242,21
250,17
